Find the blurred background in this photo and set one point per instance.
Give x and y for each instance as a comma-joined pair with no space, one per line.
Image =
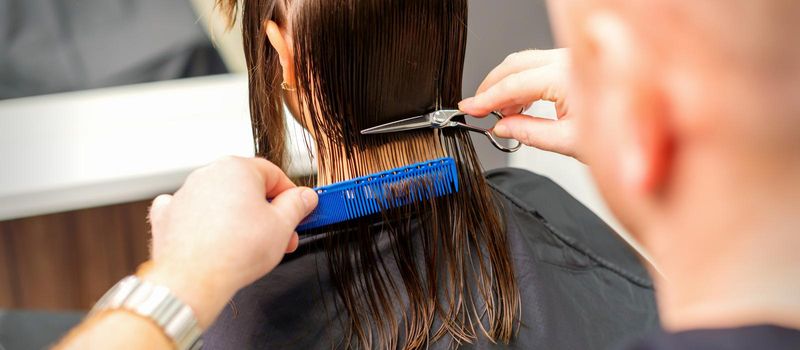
105,104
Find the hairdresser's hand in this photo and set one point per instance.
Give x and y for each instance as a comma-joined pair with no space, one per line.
523,78
219,233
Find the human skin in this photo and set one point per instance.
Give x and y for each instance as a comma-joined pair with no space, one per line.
692,133
217,234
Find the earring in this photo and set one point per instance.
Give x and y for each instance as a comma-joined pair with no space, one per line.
285,86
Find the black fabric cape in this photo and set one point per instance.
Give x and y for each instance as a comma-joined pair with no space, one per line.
582,287
743,338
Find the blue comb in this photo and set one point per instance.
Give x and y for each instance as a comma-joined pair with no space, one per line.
370,194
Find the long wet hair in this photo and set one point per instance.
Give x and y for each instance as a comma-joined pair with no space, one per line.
360,63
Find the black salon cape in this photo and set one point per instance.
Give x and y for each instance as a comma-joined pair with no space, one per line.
762,337
582,287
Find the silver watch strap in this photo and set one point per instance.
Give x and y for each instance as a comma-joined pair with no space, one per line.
158,304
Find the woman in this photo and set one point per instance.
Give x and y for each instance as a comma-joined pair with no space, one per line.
509,259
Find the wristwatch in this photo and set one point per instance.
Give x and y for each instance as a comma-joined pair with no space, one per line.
158,304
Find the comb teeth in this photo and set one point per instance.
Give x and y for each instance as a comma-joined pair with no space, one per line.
370,194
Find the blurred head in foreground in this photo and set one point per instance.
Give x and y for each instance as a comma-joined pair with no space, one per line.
690,115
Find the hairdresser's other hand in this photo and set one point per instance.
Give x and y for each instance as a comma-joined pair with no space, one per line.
219,233
522,79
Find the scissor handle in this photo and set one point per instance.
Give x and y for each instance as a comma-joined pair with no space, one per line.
490,136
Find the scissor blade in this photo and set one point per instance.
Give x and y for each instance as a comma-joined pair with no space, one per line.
414,123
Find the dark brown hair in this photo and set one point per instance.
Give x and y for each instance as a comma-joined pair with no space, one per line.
360,63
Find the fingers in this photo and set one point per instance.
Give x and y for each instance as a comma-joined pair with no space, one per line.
521,61
293,205
519,89
549,135
514,110
274,179
158,209
294,242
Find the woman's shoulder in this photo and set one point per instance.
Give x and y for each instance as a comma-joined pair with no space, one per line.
536,199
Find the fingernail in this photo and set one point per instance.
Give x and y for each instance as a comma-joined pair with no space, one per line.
309,198
500,130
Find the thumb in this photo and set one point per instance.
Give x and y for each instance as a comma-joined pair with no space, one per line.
545,134
294,205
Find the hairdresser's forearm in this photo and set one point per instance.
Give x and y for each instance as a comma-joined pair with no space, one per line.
120,329
116,330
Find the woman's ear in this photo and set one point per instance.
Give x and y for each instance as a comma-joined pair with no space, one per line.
282,43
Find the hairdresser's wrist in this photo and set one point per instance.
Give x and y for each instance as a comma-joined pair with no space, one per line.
205,292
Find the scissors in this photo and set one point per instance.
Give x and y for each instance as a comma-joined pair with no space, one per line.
438,120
